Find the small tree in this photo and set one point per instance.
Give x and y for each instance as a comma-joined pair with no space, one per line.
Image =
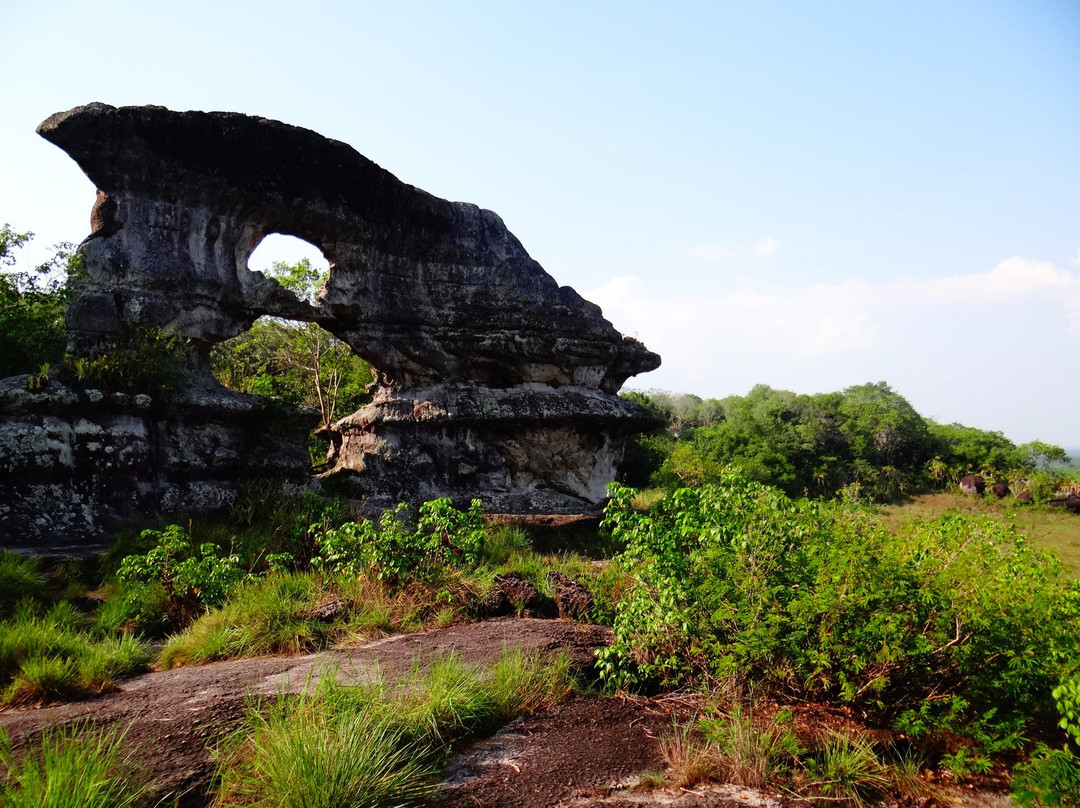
298,362
32,304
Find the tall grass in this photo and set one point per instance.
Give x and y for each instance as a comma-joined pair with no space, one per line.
266,616
325,761
378,745
52,656
76,768
20,578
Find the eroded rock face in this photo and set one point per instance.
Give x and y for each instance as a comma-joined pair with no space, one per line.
424,289
492,380
74,464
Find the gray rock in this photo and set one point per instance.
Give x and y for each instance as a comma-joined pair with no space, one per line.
492,380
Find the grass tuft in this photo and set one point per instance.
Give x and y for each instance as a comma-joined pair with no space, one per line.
75,769
355,761
379,744
52,656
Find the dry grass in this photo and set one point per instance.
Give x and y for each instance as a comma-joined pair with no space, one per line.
1048,528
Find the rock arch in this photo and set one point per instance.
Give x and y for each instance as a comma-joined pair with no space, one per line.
493,381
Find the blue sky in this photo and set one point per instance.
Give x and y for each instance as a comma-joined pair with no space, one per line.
803,195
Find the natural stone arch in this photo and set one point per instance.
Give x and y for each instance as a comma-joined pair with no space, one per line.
493,380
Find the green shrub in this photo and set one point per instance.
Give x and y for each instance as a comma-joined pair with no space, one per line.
192,581
140,359
955,624
443,537
77,768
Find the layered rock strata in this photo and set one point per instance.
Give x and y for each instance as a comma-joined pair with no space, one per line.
76,463
492,380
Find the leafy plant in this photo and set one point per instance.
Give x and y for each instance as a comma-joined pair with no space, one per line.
946,627
139,359
443,537
192,581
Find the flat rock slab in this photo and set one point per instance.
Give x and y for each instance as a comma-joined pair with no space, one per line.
173,716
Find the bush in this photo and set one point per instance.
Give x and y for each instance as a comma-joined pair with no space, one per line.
443,537
954,625
191,581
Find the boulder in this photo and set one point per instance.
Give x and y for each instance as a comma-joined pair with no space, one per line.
973,485
571,598
492,380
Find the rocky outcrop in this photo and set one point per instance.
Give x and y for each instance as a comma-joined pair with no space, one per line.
76,463
492,380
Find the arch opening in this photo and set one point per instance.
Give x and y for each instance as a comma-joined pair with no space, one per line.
301,365
298,265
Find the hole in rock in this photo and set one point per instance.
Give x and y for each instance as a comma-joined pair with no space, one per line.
296,264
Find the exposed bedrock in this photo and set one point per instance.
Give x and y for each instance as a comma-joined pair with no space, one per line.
492,380
77,463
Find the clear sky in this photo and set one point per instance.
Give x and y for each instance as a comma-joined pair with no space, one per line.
805,195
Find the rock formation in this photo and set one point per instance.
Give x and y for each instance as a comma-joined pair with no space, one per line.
973,485
492,380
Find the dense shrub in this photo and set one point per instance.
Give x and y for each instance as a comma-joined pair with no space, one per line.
190,580
955,624
443,537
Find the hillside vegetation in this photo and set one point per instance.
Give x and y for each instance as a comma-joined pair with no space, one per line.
866,442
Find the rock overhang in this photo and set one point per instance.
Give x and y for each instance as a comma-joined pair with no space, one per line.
493,381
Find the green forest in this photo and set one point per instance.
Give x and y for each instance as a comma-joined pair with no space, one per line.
865,442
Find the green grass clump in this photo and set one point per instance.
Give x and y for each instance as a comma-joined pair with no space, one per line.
20,579
261,617
324,761
381,744
76,768
53,656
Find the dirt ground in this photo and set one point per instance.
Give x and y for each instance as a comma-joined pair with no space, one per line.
589,752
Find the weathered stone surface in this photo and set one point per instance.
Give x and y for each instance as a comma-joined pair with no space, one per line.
424,289
75,463
492,380
571,598
973,485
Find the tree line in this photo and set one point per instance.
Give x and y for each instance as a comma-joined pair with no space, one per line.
866,441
